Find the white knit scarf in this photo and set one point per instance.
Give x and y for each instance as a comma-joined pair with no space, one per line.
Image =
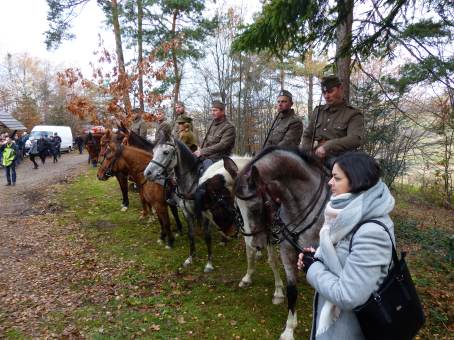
330,234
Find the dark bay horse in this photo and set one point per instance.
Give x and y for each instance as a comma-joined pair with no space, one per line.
124,158
285,192
170,155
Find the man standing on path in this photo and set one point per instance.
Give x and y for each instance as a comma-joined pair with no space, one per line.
57,141
335,127
287,127
9,154
220,138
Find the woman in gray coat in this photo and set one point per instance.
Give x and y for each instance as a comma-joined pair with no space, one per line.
344,280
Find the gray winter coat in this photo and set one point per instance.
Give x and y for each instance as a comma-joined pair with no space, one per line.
364,269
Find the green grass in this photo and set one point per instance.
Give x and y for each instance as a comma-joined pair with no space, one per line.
159,299
155,298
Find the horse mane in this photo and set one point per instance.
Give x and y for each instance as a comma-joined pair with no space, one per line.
142,142
186,155
304,155
140,152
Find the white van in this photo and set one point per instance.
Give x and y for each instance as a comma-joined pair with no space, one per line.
49,130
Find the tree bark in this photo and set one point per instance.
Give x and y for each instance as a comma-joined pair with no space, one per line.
343,44
310,94
176,71
140,52
121,60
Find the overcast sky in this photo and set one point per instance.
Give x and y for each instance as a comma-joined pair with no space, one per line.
23,23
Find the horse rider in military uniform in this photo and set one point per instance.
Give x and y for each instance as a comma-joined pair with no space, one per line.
185,133
139,126
163,127
287,127
335,127
220,138
180,112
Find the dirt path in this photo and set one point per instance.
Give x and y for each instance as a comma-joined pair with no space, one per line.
39,263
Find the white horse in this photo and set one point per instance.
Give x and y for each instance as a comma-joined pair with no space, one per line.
220,173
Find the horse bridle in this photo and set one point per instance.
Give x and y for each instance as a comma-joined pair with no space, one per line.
278,227
108,172
165,174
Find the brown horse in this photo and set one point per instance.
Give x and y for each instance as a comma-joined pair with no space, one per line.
130,138
119,158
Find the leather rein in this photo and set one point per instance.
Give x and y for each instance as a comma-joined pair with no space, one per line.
280,231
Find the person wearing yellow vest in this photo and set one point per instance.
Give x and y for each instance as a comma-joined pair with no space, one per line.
9,154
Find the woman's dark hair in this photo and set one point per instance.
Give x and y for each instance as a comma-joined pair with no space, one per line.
362,170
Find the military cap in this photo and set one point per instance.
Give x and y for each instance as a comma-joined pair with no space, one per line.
286,94
182,120
329,82
218,104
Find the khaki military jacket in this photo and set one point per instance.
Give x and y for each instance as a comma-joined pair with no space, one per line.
219,141
188,138
339,128
139,126
287,130
176,130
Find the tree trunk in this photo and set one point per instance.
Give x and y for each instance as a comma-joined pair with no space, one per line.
176,89
343,44
140,52
310,94
121,61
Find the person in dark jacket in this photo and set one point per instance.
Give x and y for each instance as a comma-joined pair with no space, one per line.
287,127
80,143
220,138
57,144
9,154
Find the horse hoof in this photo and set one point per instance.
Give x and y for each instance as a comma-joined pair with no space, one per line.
187,262
244,284
208,268
222,243
123,209
287,335
160,241
258,255
168,247
177,235
277,300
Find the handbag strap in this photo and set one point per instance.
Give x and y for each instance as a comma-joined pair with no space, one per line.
355,229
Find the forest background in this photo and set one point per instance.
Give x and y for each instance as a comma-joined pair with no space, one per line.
394,57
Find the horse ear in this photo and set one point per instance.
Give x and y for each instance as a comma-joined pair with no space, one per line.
230,166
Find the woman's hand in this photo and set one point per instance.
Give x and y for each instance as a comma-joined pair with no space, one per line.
305,259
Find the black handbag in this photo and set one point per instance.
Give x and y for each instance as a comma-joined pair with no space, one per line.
394,312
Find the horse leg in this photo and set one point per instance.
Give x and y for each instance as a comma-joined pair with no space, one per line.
289,259
174,211
278,296
250,255
123,182
163,216
208,241
191,222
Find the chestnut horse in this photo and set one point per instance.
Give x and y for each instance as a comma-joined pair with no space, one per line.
93,145
130,138
120,158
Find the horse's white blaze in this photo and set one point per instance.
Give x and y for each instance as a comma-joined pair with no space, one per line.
289,327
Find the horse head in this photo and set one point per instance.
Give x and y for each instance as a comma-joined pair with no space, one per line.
111,155
165,159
